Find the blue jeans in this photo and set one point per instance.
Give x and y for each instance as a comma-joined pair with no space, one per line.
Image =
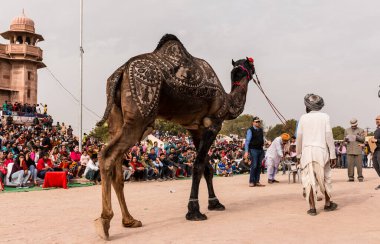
256,156
365,161
344,160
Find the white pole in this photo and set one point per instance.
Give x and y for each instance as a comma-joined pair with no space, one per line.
81,76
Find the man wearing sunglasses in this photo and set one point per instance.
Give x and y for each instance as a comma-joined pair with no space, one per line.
254,148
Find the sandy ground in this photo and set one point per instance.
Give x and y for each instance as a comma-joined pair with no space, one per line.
272,214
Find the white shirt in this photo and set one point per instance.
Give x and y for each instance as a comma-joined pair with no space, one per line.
275,149
91,165
84,159
315,141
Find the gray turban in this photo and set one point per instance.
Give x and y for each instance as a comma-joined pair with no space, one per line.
314,102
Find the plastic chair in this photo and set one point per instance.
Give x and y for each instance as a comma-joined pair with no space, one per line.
292,170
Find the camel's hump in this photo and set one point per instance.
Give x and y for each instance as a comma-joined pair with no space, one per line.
165,39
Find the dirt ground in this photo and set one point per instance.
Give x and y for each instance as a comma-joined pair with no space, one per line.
272,214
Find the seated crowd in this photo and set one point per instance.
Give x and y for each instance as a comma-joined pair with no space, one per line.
25,108
28,152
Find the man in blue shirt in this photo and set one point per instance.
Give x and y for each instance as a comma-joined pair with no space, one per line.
254,148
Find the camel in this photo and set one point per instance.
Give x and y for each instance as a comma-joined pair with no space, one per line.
171,84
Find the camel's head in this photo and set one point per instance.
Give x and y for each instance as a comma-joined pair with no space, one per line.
242,68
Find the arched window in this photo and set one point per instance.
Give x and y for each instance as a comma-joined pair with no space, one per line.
19,40
27,41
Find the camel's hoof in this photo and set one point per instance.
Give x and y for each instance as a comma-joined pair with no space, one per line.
215,205
132,224
195,216
102,226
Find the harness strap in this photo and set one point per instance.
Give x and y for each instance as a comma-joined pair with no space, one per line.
249,76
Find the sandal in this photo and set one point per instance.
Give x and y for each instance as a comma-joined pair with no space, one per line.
312,212
331,207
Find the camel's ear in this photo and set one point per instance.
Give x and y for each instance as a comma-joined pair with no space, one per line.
233,63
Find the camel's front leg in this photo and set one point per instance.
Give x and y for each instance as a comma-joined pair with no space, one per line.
203,140
213,202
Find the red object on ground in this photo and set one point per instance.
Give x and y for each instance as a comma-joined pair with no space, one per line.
55,179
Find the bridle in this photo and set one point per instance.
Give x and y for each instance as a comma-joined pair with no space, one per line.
248,75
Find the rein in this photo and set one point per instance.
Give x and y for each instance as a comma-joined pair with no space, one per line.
257,82
274,108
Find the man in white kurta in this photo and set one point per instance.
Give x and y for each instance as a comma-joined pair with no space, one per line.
274,155
315,147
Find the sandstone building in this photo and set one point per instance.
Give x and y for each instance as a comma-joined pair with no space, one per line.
20,59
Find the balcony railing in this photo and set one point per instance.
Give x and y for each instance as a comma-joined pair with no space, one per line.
3,49
23,49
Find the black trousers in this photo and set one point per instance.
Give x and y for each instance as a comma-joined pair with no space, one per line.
93,175
376,161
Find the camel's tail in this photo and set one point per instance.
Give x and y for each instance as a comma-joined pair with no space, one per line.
112,85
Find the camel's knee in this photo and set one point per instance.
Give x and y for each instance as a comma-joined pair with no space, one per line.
107,214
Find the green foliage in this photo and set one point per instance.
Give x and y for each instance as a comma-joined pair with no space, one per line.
237,126
100,133
338,132
164,125
277,130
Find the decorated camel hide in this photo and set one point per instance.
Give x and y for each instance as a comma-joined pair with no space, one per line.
171,84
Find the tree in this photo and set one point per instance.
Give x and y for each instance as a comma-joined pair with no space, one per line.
100,133
237,126
172,128
338,132
289,127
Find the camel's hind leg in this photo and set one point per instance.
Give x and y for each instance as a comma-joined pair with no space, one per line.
124,135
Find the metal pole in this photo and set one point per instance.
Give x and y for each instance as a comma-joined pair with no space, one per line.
81,76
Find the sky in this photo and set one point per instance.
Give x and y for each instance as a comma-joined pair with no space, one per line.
329,48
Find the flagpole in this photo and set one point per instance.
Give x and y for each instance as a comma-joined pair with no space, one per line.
81,75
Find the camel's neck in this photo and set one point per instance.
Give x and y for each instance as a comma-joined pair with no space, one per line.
236,98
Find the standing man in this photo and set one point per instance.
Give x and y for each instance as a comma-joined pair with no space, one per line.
354,136
376,153
315,147
254,143
274,155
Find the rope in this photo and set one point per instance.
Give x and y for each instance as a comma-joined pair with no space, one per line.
274,108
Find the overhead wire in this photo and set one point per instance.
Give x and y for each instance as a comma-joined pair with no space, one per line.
72,95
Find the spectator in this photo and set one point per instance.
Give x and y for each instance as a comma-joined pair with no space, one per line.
223,168
20,173
44,165
158,167
365,151
3,171
342,150
127,169
32,167
92,169
9,159
75,157
167,167
84,159
353,136
69,131
138,169
55,157
150,173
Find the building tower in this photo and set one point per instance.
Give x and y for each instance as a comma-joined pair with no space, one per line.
19,61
